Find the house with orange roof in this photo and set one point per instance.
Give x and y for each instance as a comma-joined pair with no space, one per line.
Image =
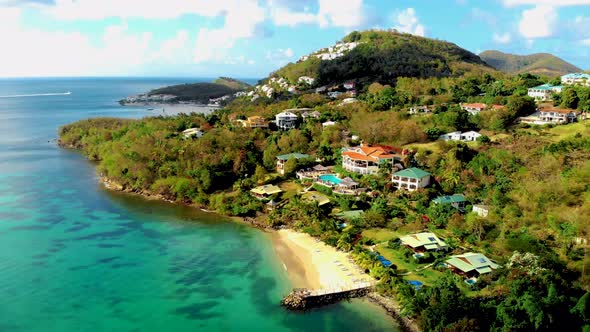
474,108
366,159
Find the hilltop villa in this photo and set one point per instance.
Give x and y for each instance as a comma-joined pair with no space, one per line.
310,115
282,159
558,116
576,78
264,192
255,122
421,242
411,179
471,264
286,120
481,210
544,92
366,159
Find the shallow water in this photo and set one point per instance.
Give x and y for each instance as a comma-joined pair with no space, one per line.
75,257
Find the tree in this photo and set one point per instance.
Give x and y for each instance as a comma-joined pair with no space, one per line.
569,98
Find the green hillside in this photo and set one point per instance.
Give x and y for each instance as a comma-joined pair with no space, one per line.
538,64
202,92
385,56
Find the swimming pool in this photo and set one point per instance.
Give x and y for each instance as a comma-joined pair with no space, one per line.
331,178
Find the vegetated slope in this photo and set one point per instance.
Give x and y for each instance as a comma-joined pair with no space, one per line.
538,63
202,92
384,56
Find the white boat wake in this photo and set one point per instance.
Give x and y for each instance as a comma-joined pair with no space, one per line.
39,95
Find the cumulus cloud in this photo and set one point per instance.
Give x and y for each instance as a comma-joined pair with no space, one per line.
280,56
407,21
538,22
335,13
503,38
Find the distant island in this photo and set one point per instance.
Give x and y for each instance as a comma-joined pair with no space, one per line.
215,93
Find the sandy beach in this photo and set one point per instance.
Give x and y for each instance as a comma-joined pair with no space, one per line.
314,265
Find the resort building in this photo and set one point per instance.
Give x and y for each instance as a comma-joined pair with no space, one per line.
558,116
470,136
544,92
286,120
366,159
312,173
193,132
419,109
411,179
481,210
422,242
474,108
346,186
456,201
255,122
576,78
264,192
282,159
471,264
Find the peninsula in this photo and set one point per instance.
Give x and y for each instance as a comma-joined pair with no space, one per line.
459,190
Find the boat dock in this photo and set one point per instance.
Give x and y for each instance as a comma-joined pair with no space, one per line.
302,299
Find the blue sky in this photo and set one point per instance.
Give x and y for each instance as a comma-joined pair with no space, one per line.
250,38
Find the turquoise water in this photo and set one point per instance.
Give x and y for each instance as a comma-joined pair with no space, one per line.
75,257
331,178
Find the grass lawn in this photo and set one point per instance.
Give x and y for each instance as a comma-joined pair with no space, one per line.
397,258
560,132
427,276
432,146
289,189
380,234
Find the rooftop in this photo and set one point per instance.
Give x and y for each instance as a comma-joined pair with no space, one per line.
576,76
268,189
413,172
472,261
426,239
547,86
449,199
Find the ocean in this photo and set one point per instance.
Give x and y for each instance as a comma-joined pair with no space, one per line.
76,257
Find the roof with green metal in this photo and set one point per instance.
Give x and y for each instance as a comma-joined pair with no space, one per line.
449,199
354,214
413,172
293,155
472,261
547,86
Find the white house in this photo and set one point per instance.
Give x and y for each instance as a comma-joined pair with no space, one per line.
470,136
334,94
411,179
576,78
481,210
544,92
474,108
349,85
192,132
558,116
328,123
419,109
452,136
310,115
306,79
286,120
366,159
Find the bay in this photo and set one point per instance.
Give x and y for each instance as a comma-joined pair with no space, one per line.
76,257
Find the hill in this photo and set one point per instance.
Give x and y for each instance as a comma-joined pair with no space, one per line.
539,63
199,92
382,56
232,83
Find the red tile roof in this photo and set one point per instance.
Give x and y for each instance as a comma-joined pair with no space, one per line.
474,105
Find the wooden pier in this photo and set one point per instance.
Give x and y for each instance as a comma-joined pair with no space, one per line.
302,299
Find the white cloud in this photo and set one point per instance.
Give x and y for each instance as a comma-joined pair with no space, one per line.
406,21
285,17
538,22
174,50
347,14
504,38
585,42
280,56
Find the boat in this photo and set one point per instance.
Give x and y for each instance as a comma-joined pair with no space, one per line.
68,93
150,109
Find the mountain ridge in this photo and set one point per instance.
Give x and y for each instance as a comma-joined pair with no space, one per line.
545,64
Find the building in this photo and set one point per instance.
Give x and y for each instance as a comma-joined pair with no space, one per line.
411,179
310,115
366,159
470,136
312,173
328,123
481,210
576,78
474,108
471,264
456,201
193,132
422,242
264,192
558,116
334,94
286,120
544,92
255,122
282,159
419,109
349,85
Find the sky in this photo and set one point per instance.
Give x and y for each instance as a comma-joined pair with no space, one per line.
251,38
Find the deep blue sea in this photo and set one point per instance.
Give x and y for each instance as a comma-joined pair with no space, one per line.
76,257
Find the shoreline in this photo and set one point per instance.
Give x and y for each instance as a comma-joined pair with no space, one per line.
299,257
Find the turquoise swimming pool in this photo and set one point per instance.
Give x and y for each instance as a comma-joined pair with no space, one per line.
331,178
